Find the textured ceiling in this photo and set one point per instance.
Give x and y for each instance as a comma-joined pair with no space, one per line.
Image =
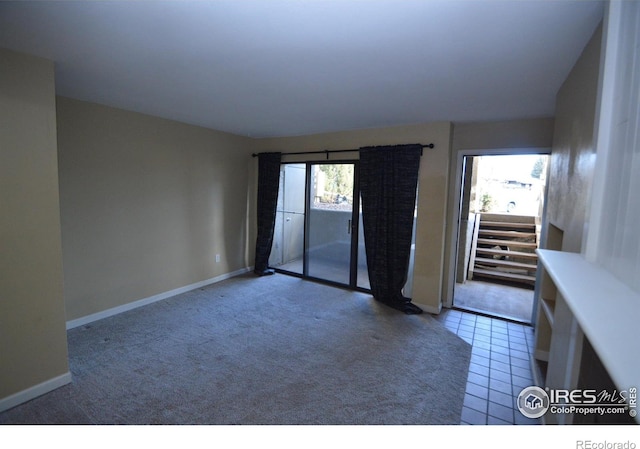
281,68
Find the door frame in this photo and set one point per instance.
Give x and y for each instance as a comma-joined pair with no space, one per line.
454,239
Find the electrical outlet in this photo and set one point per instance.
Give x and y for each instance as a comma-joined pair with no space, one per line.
217,258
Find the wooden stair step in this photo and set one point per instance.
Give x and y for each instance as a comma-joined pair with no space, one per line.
504,224
501,252
505,276
511,234
498,242
506,264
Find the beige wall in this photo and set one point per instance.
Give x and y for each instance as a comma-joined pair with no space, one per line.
432,195
146,204
33,341
573,154
529,133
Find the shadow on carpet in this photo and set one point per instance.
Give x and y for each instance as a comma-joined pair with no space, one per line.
269,350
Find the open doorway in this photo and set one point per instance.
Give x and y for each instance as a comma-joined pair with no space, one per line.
501,208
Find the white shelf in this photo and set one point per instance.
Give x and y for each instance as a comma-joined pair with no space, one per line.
548,307
607,311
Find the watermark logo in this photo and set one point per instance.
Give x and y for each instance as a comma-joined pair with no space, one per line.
533,402
589,444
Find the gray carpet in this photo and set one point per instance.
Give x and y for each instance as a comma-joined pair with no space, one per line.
271,350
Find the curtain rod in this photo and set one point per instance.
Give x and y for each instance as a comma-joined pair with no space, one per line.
430,145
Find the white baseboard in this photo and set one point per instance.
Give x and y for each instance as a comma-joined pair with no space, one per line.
151,299
35,391
430,309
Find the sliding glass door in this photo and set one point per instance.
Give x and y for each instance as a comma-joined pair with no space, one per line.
330,223
318,223
362,280
287,251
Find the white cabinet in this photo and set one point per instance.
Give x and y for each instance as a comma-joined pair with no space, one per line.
581,304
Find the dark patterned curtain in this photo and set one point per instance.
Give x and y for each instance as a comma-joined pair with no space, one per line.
268,185
388,182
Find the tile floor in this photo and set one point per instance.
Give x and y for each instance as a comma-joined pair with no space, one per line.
500,366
